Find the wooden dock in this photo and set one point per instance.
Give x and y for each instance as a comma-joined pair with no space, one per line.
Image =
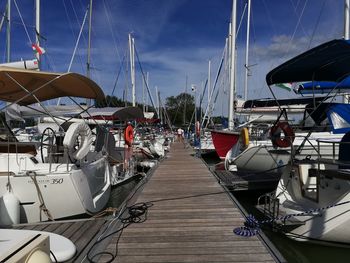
191,219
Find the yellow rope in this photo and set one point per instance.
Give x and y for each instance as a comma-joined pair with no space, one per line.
108,210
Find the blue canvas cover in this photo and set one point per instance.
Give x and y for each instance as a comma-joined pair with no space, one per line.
339,117
324,87
327,62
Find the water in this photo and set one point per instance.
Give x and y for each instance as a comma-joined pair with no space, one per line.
121,192
292,251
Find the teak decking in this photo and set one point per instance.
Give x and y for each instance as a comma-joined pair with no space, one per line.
191,221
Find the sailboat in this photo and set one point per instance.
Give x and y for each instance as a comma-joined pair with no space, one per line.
224,140
316,193
35,186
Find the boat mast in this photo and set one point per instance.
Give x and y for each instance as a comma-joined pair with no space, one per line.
209,80
88,63
232,65
157,96
37,29
147,85
185,102
247,53
143,97
8,32
89,42
346,98
132,68
159,107
346,20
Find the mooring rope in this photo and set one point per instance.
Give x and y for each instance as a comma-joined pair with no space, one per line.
252,226
42,206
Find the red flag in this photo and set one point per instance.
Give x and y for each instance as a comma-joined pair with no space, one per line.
38,49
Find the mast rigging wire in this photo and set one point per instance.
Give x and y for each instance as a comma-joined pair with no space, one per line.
24,25
76,44
144,78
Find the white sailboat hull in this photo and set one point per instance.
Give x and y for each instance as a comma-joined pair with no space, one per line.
299,192
65,193
261,156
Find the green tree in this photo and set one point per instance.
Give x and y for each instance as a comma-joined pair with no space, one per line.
180,108
110,101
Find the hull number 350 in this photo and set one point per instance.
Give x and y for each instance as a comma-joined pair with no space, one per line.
57,181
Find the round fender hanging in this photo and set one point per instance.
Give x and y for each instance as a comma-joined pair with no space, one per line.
244,137
282,141
74,131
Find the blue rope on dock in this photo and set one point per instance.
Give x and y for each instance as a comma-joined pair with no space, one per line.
252,225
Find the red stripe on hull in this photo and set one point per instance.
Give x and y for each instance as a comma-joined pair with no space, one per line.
223,141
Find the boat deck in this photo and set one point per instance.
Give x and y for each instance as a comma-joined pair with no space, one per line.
191,219
247,181
83,233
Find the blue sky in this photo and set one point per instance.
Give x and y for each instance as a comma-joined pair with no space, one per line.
174,38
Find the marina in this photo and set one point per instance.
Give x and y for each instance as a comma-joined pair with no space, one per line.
191,220
175,131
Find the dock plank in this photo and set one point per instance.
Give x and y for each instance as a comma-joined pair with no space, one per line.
191,219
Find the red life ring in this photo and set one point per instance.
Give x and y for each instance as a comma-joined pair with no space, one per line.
129,135
276,138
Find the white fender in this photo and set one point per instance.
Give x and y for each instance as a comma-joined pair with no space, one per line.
231,155
157,148
75,130
9,209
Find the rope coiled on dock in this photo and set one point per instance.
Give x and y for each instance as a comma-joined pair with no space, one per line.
251,227
136,213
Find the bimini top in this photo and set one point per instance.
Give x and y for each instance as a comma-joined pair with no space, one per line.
113,113
327,62
22,86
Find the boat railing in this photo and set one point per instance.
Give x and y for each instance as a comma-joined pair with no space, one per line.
269,204
340,159
331,142
320,148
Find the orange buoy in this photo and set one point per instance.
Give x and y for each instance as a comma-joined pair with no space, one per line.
129,135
